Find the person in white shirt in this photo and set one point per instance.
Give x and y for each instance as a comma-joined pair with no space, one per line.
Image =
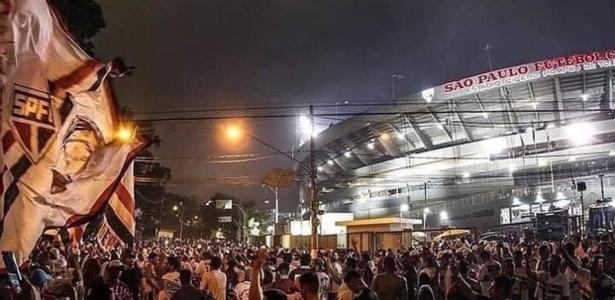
552,284
215,280
487,272
242,289
170,280
520,274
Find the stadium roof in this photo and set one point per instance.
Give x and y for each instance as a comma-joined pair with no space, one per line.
509,101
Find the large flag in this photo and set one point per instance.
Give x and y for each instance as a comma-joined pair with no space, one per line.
60,159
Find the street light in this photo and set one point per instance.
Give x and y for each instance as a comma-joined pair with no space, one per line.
124,134
234,132
426,211
175,207
402,208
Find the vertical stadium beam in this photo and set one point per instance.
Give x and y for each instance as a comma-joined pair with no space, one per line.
482,108
609,89
466,130
336,161
559,114
444,128
512,116
425,140
530,88
354,152
399,133
387,144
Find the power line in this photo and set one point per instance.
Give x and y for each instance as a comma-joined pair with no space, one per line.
398,112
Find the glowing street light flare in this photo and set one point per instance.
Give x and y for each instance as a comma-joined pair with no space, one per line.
330,162
516,202
426,210
319,168
384,136
124,134
175,208
370,146
404,208
584,97
612,153
580,133
539,198
347,154
443,215
233,132
534,105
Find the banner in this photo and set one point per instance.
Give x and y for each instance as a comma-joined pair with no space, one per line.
61,161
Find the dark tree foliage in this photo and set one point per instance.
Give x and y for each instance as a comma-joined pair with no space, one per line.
84,19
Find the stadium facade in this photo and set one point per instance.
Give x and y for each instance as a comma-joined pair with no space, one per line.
480,151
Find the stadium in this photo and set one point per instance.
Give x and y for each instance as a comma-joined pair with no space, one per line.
481,151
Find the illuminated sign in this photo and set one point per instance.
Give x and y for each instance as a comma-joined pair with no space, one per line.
225,219
522,73
224,204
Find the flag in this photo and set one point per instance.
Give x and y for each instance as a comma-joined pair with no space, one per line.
118,225
60,160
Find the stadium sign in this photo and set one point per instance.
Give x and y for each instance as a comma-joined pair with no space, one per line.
225,219
521,73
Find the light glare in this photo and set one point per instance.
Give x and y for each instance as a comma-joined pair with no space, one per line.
124,134
404,208
233,132
580,133
516,202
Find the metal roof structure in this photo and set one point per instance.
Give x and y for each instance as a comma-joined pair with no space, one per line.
516,111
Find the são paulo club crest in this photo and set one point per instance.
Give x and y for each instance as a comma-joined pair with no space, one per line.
33,120
428,94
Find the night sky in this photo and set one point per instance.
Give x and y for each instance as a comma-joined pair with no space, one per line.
204,53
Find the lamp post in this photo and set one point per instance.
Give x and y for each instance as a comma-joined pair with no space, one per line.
181,218
276,212
426,211
393,77
403,208
235,132
243,222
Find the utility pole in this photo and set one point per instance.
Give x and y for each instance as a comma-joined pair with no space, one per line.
313,193
181,220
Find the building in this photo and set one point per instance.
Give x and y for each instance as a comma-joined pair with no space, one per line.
479,151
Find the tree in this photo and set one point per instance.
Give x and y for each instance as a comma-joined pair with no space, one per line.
83,18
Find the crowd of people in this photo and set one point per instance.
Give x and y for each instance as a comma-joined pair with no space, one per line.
574,268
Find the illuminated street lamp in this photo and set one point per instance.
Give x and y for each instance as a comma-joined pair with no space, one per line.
175,207
124,134
403,208
233,132
443,215
426,211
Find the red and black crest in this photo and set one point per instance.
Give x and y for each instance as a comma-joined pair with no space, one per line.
33,120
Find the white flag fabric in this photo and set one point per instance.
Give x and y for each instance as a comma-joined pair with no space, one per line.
60,160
